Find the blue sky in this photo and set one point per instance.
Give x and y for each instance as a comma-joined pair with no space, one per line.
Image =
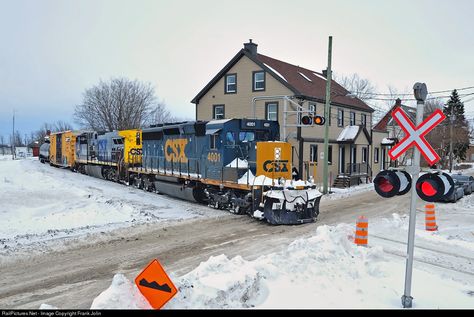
53,50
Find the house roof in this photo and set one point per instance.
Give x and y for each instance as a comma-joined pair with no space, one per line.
387,119
303,82
351,132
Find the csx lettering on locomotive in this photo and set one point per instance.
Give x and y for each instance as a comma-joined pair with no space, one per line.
174,150
280,166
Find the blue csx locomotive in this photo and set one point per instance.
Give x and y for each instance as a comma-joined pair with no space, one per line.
233,164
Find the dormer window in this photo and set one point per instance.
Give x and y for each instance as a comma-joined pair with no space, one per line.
258,81
231,84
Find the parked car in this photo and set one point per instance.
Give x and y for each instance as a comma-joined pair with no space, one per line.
466,181
457,193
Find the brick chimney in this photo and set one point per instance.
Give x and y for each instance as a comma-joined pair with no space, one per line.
325,73
251,47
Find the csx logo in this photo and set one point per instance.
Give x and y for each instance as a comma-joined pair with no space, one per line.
280,166
174,150
135,151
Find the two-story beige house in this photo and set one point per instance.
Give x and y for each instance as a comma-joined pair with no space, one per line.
253,85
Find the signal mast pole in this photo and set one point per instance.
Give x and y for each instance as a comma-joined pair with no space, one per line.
421,92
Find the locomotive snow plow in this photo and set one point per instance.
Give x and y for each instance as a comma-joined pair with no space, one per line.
285,202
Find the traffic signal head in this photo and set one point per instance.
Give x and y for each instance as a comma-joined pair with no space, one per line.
310,120
433,187
306,120
318,120
390,183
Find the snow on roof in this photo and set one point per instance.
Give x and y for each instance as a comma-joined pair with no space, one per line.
349,133
276,72
304,76
387,141
221,121
320,76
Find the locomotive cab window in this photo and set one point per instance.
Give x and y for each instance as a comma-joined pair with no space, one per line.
246,136
213,142
230,138
263,135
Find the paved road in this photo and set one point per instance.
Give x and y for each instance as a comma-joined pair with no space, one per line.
73,278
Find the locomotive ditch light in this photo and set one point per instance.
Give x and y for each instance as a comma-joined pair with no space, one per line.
318,120
306,120
432,187
390,183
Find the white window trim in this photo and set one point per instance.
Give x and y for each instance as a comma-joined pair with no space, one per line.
227,84
255,81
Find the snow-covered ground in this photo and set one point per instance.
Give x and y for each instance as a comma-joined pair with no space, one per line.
328,270
44,207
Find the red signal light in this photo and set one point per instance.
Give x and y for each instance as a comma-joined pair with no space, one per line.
432,187
390,183
306,120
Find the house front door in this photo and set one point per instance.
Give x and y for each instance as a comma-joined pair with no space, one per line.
353,158
342,159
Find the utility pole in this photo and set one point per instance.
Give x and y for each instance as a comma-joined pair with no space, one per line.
326,115
13,137
451,120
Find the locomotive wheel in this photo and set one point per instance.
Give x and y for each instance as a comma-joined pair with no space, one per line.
237,210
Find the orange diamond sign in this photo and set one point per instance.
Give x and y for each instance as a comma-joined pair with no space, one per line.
155,285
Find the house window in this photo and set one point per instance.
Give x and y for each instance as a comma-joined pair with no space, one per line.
271,111
352,118
313,153
258,81
340,118
376,155
231,84
363,119
213,141
330,155
312,109
218,112
364,155
329,115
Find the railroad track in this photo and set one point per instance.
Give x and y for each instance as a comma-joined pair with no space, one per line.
429,255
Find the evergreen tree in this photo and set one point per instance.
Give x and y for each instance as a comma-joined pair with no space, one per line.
454,107
454,111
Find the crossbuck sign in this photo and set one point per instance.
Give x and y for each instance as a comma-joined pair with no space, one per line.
416,135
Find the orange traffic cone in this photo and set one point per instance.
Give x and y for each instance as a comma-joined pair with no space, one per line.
362,231
430,218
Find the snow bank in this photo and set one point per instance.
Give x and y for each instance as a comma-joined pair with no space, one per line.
40,205
326,270
122,294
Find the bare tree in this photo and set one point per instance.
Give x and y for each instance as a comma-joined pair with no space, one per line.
160,114
116,105
2,144
46,128
362,88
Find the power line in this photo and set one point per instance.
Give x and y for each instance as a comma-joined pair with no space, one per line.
409,94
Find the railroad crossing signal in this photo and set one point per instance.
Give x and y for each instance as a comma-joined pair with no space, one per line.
310,120
415,135
430,187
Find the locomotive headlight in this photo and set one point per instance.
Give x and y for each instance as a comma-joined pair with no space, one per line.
281,181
